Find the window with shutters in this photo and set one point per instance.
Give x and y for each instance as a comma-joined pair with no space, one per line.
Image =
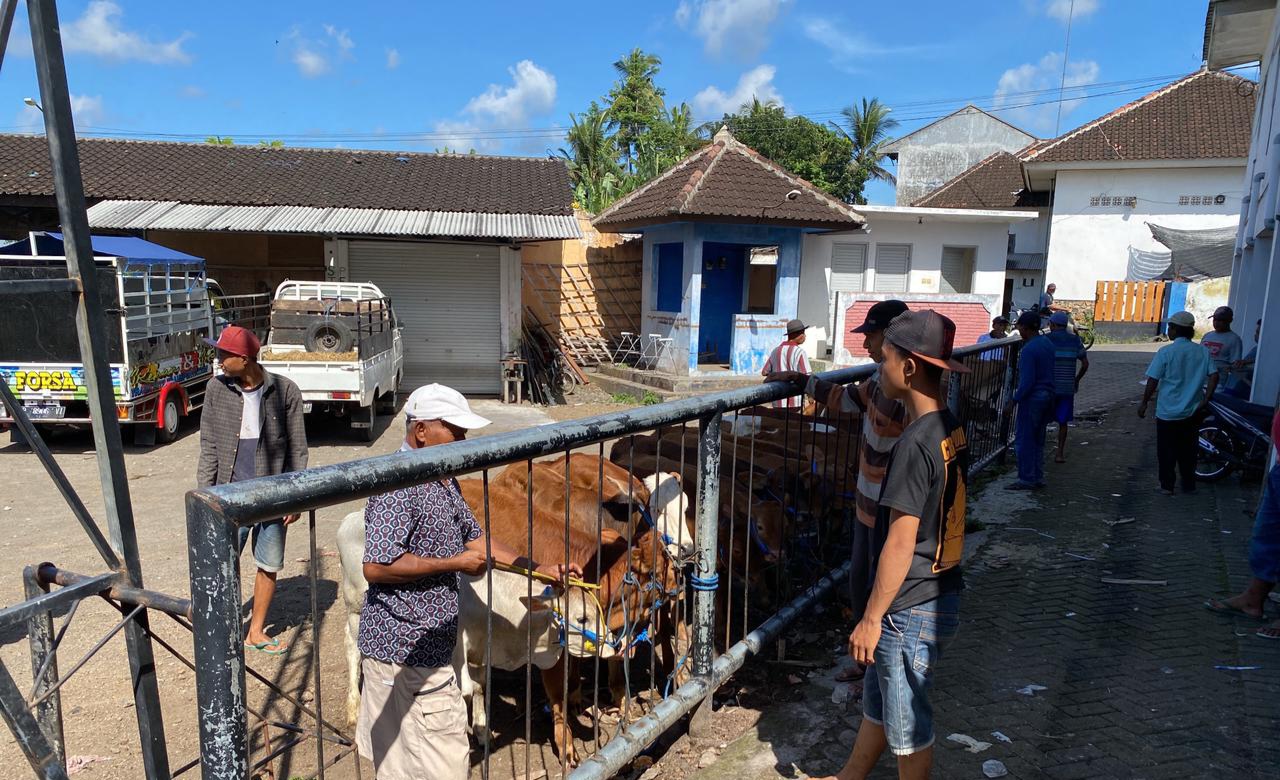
848,267
893,265
957,270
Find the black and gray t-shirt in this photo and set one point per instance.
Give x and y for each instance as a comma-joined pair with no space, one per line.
250,431
925,478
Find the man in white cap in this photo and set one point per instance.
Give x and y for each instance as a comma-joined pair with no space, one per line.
412,721
1180,372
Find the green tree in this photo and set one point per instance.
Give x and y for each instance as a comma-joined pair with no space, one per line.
592,159
807,149
635,103
867,127
220,140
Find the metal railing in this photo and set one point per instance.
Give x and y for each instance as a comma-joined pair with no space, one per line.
727,562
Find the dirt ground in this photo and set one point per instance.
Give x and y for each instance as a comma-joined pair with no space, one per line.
100,725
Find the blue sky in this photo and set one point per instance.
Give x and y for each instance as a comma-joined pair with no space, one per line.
503,77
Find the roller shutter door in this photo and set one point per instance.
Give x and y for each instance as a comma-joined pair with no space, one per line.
893,264
957,270
449,301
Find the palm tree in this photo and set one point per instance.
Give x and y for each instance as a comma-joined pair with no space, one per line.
635,101
867,127
592,160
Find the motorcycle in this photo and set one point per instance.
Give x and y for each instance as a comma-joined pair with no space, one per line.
1083,331
1233,435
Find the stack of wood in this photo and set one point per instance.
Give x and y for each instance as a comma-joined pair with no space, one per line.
551,373
585,306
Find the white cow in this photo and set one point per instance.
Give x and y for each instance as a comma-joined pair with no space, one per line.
512,615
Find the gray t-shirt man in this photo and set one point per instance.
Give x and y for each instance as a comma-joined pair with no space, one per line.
1225,348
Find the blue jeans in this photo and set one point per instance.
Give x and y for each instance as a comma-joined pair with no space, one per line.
1033,416
268,544
895,694
1264,547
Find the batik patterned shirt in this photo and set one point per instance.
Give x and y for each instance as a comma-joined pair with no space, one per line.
414,623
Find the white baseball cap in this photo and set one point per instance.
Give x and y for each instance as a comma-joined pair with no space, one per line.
437,402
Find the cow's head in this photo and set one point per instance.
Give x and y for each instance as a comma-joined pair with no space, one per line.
668,513
764,525
577,614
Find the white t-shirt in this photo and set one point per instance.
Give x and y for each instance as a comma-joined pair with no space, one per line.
251,418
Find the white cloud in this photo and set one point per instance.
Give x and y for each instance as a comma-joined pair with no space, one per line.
1061,9
98,32
86,111
193,92
739,26
1043,75
847,47
393,59
531,94
712,103
315,56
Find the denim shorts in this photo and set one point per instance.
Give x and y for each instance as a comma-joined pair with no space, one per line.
268,544
896,692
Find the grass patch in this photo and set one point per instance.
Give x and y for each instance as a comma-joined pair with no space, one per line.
624,398
650,398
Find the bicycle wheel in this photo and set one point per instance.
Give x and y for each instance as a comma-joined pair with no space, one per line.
1216,451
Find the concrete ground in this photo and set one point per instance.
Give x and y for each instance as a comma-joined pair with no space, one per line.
1127,680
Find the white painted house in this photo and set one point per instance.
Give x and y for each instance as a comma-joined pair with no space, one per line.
951,260
1174,158
1237,33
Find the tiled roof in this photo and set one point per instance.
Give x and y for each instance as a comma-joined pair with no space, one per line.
726,181
994,183
1207,115
325,178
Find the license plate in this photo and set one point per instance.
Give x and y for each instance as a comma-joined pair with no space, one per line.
45,411
306,407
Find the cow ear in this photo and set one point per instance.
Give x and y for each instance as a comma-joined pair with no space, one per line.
676,476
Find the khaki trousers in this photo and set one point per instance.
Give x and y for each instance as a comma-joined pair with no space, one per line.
413,722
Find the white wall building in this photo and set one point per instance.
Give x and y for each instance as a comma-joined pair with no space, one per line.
949,259
1175,158
1239,32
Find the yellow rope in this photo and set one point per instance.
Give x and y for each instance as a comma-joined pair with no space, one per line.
544,577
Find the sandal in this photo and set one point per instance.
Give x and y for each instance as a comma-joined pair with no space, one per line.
270,647
1223,608
1269,632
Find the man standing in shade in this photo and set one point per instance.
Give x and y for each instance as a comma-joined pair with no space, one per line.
1225,345
1068,350
1034,396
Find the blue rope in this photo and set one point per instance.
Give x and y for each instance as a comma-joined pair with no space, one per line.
705,584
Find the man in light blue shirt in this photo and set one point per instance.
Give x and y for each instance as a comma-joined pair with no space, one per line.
1180,371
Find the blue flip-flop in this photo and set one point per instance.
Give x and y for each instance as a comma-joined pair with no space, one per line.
270,647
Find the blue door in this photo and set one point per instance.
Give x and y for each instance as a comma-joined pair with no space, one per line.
723,270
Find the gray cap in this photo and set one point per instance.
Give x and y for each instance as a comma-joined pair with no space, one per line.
1184,319
796,326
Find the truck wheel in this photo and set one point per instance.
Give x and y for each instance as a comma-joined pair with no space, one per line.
172,421
328,336
367,415
386,403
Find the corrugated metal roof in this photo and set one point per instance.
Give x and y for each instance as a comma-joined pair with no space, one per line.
171,215
1025,261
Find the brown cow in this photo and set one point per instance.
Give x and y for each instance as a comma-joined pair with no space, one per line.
631,581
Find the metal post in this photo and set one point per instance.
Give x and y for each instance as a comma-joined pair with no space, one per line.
219,650
31,739
708,526
44,656
313,569
91,327
953,392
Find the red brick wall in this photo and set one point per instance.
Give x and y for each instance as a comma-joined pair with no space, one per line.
971,319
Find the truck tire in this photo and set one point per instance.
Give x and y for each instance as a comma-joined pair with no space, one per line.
365,415
328,336
172,420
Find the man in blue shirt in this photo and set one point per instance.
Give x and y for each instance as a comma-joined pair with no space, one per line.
1179,370
1034,396
1068,350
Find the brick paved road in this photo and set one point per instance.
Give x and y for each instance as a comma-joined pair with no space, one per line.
1129,670
1132,688
1115,375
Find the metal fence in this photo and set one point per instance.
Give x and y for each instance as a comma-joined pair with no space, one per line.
703,527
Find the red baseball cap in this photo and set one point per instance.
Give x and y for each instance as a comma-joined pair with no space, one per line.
237,341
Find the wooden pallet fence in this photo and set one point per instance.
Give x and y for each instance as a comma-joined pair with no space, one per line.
1137,302
586,306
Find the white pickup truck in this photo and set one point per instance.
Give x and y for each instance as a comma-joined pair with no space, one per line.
340,343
